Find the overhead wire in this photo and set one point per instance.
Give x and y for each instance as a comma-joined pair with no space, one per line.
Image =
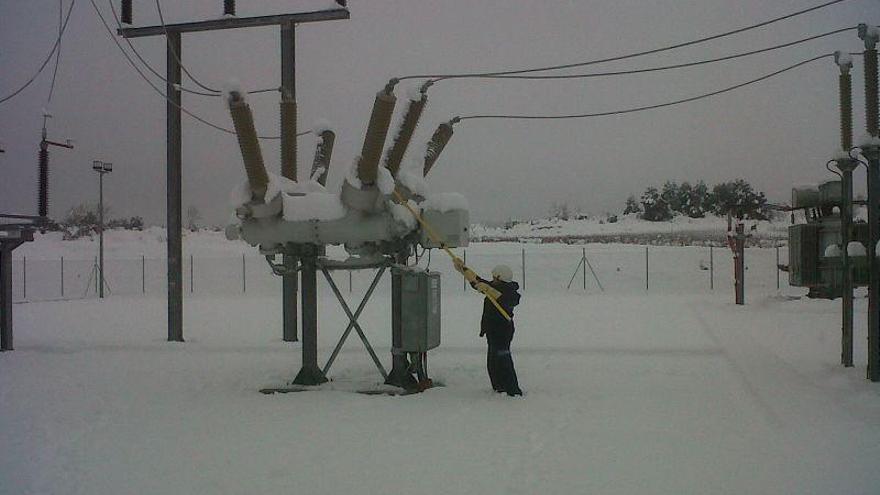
625,56
45,61
174,53
58,51
667,67
646,107
153,85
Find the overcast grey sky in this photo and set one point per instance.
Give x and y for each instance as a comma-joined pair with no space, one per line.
774,134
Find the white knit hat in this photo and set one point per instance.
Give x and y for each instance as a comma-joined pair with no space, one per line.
503,273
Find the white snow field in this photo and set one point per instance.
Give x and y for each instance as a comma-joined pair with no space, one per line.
673,390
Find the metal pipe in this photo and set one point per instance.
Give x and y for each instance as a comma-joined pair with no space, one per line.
174,178
377,130
288,138
846,167
251,154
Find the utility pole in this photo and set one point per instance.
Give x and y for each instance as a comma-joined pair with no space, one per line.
846,166
101,168
43,185
871,151
174,59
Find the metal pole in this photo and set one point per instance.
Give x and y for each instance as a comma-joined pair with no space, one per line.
584,263
309,374
6,299
174,185
101,234
846,167
24,277
872,153
523,269
192,280
739,263
243,275
143,274
62,276
777,267
711,267
646,268
350,282
289,283
463,280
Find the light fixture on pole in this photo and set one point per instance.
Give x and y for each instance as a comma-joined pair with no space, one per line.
101,168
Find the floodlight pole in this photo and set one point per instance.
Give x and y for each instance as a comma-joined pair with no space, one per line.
173,133
101,168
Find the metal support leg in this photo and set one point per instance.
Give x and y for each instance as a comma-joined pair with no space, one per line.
6,299
289,290
353,323
400,375
309,374
846,343
174,191
289,283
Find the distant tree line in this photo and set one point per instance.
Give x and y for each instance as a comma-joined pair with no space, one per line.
697,200
82,220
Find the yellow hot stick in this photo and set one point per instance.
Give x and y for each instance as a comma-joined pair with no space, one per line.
436,238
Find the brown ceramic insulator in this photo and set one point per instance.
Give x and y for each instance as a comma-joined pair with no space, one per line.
322,156
846,128
377,130
251,154
405,134
435,146
871,105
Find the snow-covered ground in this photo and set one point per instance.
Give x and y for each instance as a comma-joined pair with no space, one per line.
671,390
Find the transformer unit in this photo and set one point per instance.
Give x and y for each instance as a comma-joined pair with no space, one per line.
815,257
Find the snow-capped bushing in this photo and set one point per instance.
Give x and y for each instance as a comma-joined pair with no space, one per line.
377,130
438,141
414,110
323,153
252,156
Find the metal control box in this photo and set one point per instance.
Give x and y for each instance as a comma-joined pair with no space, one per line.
452,226
419,310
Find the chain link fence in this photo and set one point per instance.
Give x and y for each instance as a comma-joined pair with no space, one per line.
593,268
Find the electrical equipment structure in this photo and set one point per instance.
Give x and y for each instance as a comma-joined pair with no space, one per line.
380,215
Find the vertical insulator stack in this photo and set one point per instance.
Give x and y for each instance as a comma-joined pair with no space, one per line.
377,130
435,146
322,156
871,104
43,194
126,11
251,154
846,128
288,138
405,133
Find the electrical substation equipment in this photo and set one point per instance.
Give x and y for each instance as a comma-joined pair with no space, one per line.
379,216
814,248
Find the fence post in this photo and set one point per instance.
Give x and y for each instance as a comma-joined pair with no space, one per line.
524,268
647,277
243,275
711,268
191,278
95,269
584,263
62,276
143,274
777,267
24,276
350,285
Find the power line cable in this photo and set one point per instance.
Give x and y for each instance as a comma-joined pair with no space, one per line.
647,107
626,56
667,67
152,85
176,56
46,61
58,51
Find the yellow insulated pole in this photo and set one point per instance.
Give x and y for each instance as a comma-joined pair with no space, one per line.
487,290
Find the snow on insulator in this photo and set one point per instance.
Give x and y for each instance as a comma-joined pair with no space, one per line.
855,248
384,181
321,127
413,181
843,58
832,251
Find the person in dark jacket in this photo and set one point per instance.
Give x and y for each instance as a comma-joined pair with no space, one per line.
499,331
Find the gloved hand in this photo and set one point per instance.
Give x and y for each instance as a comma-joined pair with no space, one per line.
487,289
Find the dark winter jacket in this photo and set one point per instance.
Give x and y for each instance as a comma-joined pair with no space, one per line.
494,321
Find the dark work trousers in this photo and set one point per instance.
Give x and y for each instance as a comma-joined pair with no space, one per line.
499,362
